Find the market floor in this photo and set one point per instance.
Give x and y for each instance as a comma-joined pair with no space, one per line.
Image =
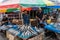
2,37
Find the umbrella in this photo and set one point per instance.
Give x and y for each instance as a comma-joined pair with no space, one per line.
12,9
28,9
56,2
3,10
9,8
36,3
7,5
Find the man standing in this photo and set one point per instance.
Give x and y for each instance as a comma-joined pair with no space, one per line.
26,17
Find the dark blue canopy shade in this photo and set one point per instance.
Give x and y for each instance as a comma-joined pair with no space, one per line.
35,8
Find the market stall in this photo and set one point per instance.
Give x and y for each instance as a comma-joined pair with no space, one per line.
7,4
42,3
12,9
25,32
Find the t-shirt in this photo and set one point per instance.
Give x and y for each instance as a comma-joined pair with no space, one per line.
26,17
40,15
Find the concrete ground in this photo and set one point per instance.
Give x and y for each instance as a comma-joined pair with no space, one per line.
2,37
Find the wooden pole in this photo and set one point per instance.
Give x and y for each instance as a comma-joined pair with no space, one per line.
20,13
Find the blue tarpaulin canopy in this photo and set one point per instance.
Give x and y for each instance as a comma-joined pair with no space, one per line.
52,28
52,6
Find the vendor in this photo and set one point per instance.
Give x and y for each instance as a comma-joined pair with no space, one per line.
7,21
48,20
39,16
4,21
26,17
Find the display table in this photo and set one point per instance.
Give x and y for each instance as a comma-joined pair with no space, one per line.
13,31
24,32
30,32
38,37
11,34
4,29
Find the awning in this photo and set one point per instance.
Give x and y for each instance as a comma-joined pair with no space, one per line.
28,9
36,3
12,9
9,5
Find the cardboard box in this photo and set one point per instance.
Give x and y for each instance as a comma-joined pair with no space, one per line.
12,37
7,34
32,19
34,23
19,22
16,21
